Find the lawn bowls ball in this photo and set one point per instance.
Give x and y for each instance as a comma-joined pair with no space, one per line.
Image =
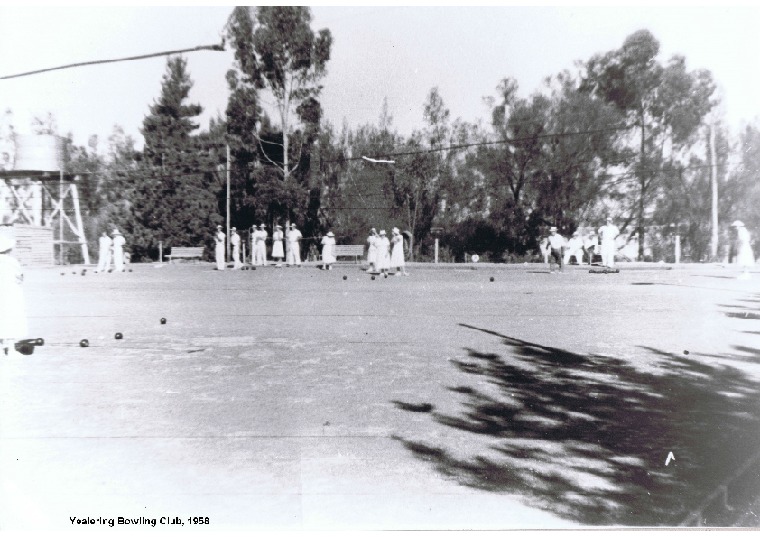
84,343
491,278
373,277
163,320
345,277
119,335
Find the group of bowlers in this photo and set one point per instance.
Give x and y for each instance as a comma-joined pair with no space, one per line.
285,246
559,250
111,248
383,255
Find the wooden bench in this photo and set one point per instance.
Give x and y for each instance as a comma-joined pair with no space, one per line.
349,250
186,252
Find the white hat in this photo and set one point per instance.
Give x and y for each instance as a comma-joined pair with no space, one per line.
6,244
233,229
737,223
278,226
293,224
219,226
553,228
330,234
115,232
382,232
395,230
262,226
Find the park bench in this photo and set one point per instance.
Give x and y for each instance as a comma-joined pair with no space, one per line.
349,250
185,252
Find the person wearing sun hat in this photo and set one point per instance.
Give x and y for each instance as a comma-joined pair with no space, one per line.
259,246
235,242
383,253
294,246
278,252
556,245
745,258
13,325
219,238
118,251
328,250
397,253
372,250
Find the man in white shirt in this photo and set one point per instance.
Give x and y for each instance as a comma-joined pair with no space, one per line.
294,250
607,235
556,244
104,254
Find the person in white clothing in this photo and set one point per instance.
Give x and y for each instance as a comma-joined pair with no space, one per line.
328,251
383,253
219,248
607,234
294,246
260,248
118,251
556,244
235,242
277,251
13,324
104,253
574,248
397,253
745,258
372,250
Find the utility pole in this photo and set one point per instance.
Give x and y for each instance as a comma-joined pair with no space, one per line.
226,257
714,184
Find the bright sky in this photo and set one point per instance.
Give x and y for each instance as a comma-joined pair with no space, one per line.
398,53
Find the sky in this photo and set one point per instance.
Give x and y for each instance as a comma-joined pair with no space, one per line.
382,52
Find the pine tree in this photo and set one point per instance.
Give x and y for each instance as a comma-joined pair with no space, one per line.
175,189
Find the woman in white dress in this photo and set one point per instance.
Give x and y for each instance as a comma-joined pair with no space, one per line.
12,306
261,246
104,255
118,251
219,248
372,250
745,258
397,254
278,253
328,251
383,253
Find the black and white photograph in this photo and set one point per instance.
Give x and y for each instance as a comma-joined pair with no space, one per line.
433,268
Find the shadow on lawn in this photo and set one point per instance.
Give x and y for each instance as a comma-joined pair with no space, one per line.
587,436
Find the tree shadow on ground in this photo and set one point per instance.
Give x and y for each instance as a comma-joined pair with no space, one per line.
588,436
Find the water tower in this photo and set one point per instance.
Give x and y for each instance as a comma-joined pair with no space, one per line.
39,202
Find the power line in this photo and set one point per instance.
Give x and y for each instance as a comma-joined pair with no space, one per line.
479,144
219,48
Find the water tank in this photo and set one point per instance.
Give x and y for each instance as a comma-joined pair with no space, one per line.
41,152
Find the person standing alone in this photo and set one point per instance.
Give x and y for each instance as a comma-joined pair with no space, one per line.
607,235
